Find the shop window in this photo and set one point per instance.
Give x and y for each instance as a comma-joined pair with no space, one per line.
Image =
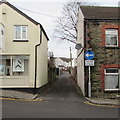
112,79
111,37
5,65
14,65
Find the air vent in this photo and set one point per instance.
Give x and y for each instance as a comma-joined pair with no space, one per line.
4,11
4,1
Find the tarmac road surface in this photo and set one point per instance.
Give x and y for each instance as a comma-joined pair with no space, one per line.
60,100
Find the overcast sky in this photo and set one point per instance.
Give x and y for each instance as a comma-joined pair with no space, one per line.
46,13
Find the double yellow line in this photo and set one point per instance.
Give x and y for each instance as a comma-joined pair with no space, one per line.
87,102
117,106
20,99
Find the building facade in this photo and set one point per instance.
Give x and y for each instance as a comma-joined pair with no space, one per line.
99,31
62,62
23,50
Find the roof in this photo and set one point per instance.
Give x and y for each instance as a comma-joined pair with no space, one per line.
23,14
94,12
64,59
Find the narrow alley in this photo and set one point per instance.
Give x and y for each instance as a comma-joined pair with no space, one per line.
63,88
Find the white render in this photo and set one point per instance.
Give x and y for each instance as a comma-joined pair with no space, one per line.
10,17
80,59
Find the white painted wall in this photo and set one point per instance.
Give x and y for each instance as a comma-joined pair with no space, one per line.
80,60
10,19
42,63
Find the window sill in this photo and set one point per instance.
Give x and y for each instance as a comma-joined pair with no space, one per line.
111,47
112,90
14,77
20,40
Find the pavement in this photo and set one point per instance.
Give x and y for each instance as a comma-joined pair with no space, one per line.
101,101
30,95
17,94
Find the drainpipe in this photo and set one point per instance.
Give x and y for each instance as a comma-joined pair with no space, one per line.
85,45
36,56
2,24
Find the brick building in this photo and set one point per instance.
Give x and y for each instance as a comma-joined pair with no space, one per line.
99,29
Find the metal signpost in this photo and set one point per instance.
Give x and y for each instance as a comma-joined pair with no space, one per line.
89,55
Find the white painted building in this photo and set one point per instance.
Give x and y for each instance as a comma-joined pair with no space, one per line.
23,50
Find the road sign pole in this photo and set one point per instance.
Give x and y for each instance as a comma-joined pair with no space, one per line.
89,55
89,85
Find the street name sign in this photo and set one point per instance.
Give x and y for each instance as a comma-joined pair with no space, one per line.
89,55
89,63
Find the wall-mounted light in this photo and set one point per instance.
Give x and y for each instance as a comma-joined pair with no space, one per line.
78,46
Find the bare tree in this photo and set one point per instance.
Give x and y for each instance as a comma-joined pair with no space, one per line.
66,28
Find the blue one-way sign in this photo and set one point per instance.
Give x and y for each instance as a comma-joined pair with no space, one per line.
89,55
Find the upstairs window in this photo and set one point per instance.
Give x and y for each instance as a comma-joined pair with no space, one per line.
21,32
2,37
111,37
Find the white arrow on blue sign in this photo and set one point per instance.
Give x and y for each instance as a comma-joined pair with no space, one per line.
89,55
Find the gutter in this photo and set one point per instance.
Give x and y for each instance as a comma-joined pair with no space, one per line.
2,24
36,56
84,40
100,19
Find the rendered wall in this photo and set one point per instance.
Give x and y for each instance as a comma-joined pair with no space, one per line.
10,19
42,62
80,59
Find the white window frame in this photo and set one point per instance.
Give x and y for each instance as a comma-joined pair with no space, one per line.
2,36
105,73
106,34
21,35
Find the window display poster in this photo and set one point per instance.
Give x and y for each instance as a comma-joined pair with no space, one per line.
18,65
2,69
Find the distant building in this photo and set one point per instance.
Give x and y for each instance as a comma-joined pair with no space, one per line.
50,54
23,49
98,29
62,62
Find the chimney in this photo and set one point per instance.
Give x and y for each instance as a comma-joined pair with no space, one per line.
4,1
119,4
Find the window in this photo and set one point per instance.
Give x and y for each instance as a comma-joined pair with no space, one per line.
14,65
111,38
1,37
112,79
21,32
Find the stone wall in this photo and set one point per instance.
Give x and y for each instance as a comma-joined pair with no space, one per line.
103,56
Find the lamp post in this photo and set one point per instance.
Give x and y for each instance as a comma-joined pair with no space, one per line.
70,61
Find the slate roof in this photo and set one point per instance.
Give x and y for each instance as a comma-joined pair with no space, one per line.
64,59
94,12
